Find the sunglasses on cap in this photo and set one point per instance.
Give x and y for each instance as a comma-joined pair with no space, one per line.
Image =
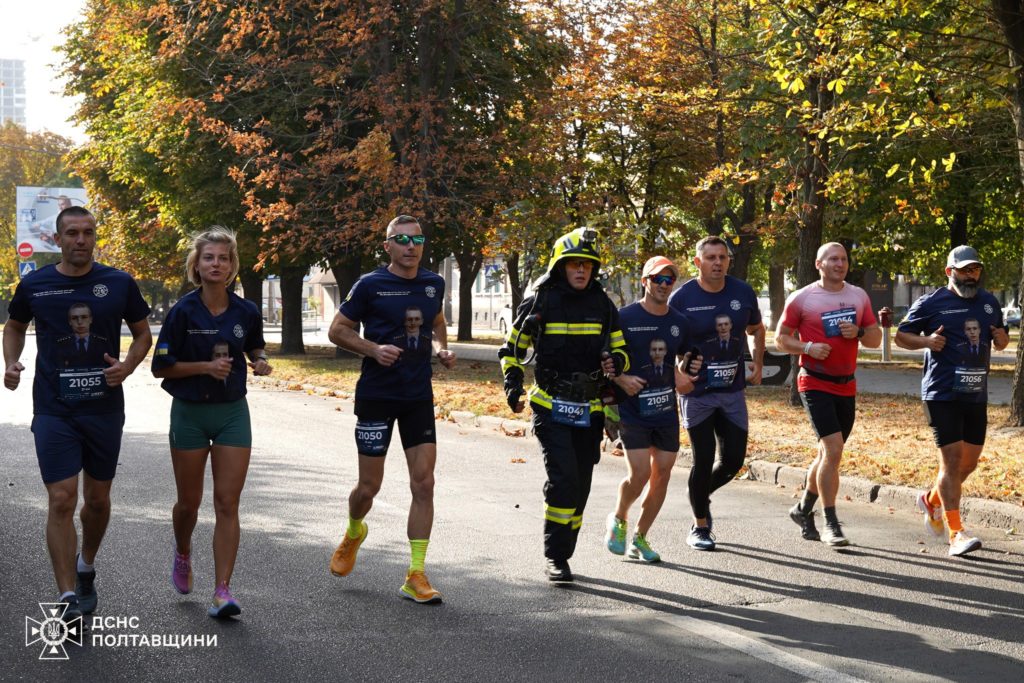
663,279
418,240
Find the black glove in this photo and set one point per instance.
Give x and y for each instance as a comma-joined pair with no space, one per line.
618,362
513,387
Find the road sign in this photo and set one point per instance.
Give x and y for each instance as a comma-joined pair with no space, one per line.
26,267
25,250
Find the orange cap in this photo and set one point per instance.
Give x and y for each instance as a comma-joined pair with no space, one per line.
656,264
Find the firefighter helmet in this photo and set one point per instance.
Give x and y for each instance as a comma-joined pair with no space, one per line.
580,243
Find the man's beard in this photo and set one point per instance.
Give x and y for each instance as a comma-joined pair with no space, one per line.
967,288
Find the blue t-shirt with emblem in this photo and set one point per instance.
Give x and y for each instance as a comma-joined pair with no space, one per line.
654,342
722,342
960,371
398,311
191,333
70,359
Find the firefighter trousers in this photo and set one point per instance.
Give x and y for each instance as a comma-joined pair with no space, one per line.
570,454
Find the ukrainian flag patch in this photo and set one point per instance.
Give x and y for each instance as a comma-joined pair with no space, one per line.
161,349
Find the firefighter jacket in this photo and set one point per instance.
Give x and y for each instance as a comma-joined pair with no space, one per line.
570,330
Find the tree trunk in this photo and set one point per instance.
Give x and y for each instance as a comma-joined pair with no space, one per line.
291,308
958,229
514,281
346,270
470,262
252,286
776,291
1009,15
743,253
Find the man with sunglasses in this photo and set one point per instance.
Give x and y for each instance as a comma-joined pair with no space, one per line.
649,416
394,386
956,326
715,412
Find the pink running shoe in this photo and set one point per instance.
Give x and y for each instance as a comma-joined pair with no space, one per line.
223,604
181,573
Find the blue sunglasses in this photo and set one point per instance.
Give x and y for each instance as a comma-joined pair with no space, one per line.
405,239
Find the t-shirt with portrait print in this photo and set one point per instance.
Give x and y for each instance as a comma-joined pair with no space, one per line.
654,342
78,321
398,311
191,333
718,328
959,372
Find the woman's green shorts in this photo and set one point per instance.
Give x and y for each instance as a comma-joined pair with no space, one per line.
196,425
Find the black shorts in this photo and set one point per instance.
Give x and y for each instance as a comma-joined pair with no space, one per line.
376,420
953,421
635,437
830,413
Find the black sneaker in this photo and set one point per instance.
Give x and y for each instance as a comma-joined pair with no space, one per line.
74,611
558,571
806,521
833,535
85,591
700,538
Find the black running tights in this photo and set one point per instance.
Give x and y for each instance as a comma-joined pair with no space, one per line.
709,474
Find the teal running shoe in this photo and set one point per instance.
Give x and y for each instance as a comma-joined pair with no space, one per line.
640,549
615,539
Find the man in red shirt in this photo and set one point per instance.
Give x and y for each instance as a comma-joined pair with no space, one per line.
830,317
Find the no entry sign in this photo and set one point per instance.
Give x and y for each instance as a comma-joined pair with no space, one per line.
25,250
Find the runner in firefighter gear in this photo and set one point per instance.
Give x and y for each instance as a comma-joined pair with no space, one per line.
573,328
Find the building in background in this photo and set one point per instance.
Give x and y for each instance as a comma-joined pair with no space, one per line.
12,91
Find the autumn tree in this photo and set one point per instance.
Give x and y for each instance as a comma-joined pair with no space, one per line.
33,159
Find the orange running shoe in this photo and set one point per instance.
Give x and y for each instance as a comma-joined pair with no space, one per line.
933,521
418,588
345,556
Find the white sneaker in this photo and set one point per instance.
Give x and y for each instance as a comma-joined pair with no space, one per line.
961,544
933,521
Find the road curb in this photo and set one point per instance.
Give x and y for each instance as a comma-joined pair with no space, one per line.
977,511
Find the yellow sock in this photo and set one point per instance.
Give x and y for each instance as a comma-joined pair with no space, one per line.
355,528
418,548
953,522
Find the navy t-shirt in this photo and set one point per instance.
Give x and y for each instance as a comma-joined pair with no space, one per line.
69,359
960,371
653,342
191,333
721,343
398,311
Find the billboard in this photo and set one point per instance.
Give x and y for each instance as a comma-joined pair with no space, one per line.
37,217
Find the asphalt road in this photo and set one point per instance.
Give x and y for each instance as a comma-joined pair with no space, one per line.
765,606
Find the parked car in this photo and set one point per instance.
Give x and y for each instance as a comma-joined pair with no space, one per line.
505,319
1011,316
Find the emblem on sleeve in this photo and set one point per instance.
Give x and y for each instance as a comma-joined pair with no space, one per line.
988,308
429,291
674,330
100,291
735,304
239,332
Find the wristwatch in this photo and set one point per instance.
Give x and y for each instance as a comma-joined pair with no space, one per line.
860,332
